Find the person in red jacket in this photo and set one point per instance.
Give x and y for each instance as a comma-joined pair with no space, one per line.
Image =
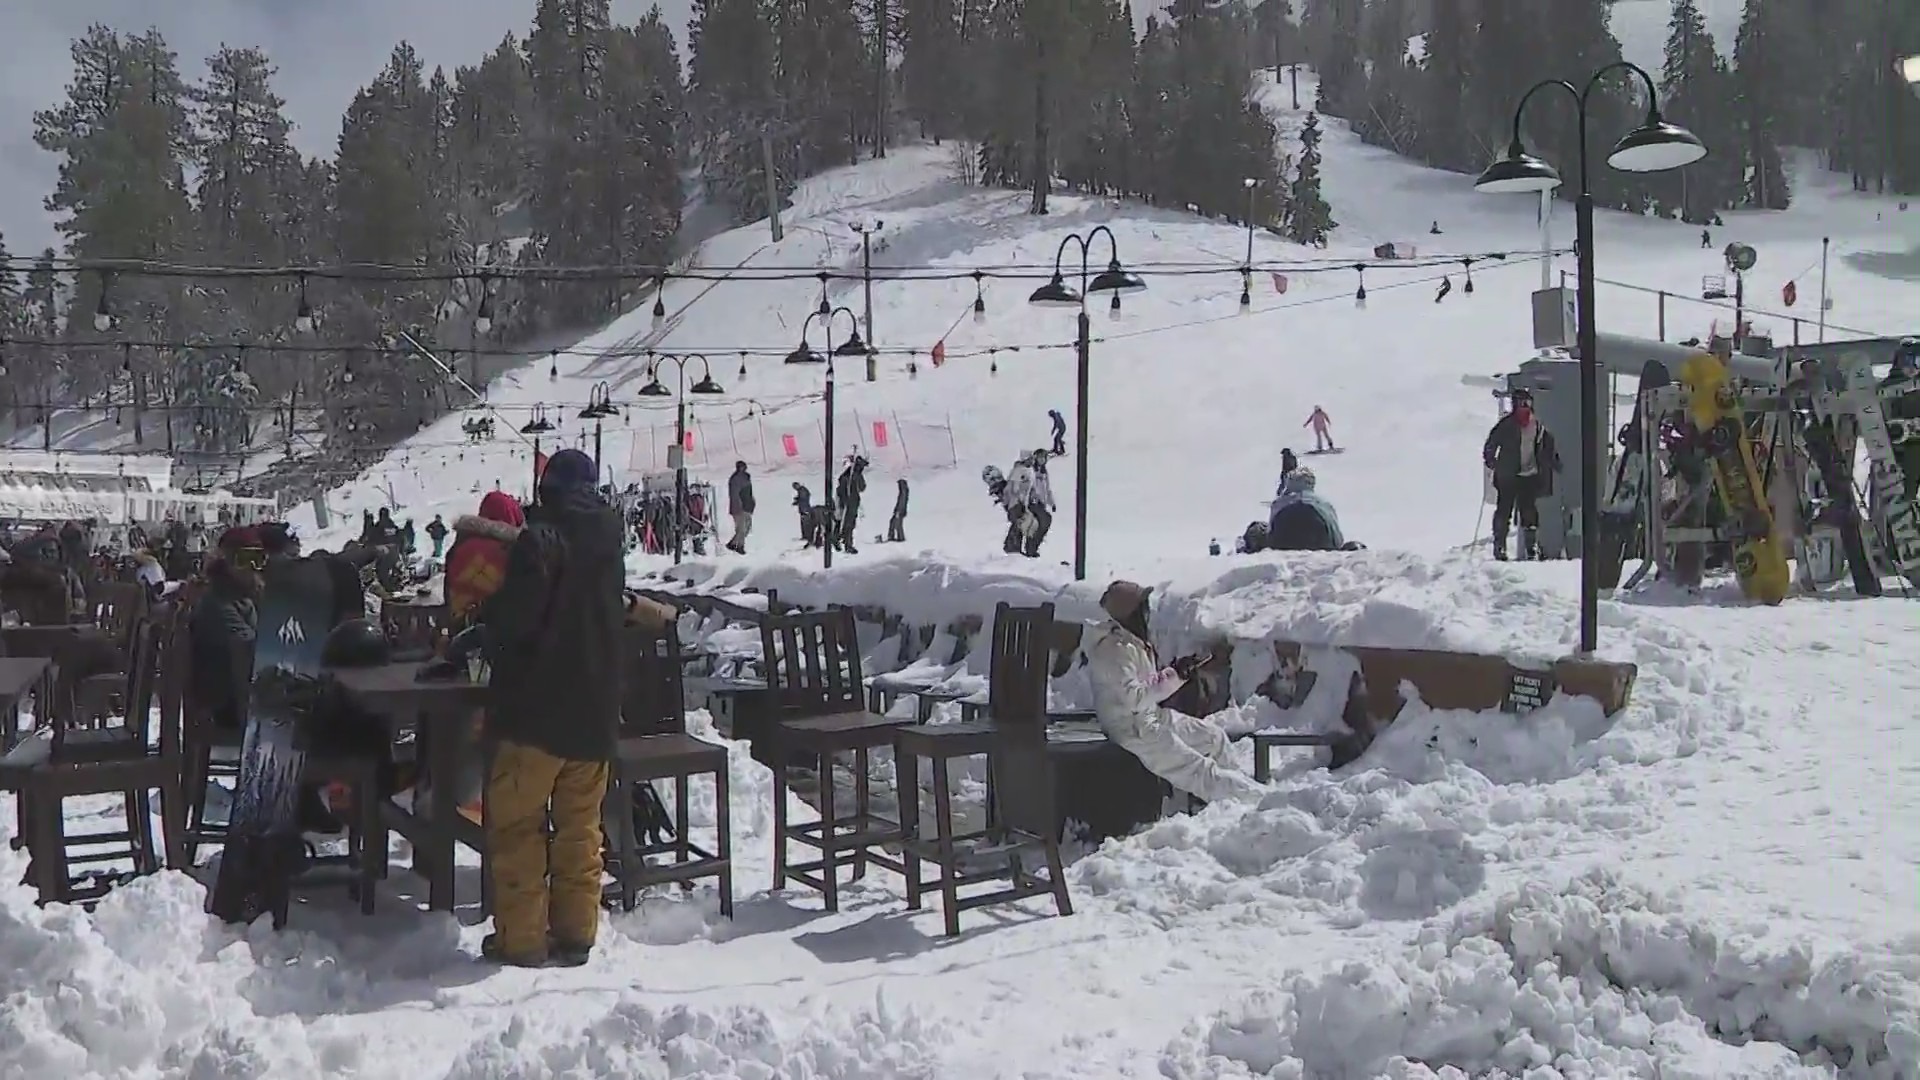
477,562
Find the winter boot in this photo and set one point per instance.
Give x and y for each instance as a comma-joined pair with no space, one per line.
1500,547
491,952
1529,545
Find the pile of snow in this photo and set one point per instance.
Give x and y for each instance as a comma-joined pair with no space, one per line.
638,1039
1600,979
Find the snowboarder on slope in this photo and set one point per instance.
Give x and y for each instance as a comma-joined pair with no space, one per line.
1520,452
1129,686
897,524
1040,504
1321,424
437,533
740,506
1059,432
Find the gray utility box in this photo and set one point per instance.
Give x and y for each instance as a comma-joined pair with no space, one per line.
1555,386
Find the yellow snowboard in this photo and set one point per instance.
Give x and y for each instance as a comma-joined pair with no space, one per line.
1758,562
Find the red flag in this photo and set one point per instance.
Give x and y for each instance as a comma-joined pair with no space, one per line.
939,353
789,446
1789,293
688,445
879,433
1280,283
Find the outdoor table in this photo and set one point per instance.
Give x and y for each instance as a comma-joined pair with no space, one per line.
20,676
56,642
441,712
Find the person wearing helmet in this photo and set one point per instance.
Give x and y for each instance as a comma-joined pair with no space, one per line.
1520,453
554,640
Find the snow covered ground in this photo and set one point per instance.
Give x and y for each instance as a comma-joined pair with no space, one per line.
1720,883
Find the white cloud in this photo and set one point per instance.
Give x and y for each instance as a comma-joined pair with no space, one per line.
325,51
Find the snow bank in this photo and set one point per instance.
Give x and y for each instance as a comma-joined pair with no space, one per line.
1600,979
636,1039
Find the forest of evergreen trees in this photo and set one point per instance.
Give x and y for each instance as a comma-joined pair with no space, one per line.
566,148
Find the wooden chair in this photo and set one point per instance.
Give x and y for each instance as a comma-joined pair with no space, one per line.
654,745
1021,819
812,664
125,758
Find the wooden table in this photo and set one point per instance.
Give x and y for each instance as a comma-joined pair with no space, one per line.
20,676
58,643
441,713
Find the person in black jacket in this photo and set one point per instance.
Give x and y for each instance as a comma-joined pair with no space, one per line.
897,525
1520,453
554,640
740,506
850,489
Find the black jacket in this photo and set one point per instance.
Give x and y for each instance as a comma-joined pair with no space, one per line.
554,632
1502,453
740,492
222,628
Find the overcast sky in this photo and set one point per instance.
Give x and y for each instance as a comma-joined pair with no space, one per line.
325,50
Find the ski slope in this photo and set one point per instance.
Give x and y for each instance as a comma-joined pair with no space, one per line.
1719,883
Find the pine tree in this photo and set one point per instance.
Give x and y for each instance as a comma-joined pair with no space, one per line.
732,59
1758,85
1693,92
1335,39
1445,73
931,66
1309,218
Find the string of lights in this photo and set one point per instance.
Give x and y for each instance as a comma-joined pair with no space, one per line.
389,272
571,352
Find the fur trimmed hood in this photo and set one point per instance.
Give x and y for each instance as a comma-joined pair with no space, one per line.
475,525
143,557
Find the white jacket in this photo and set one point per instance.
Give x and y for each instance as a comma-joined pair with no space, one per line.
1020,485
1190,753
1040,489
1128,684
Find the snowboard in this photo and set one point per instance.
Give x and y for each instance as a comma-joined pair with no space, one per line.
1887,481
1714,411
1328,450
264,850
1620,522
1836,476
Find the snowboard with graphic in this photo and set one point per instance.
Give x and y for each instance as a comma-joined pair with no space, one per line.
1714,411
264,850
1836,476
1621,523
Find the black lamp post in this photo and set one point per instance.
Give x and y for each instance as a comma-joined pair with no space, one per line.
1654,146
853,346
1057,293
655,388
599,407
1246,268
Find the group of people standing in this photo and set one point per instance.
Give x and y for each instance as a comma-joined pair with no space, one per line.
833,523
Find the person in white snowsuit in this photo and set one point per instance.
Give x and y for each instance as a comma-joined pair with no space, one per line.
1129,685
1017,498
1040,504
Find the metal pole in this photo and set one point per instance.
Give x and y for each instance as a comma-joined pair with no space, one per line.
1824,242
1590,456
1083,376
1249,262
826,490
680,468
1546,239
866,279
1663,315
599,462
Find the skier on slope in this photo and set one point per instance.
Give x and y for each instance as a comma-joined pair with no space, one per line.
1040,504
1520,452
1018,500
1321,424
1059,432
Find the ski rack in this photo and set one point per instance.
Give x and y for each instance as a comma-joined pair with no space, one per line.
1836,382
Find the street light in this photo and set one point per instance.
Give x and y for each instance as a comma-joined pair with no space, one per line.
1654,146
599,407
853,346
1246,268
655,388
1057,293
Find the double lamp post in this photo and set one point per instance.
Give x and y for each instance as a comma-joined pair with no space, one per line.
657,389
1654,146
852,346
